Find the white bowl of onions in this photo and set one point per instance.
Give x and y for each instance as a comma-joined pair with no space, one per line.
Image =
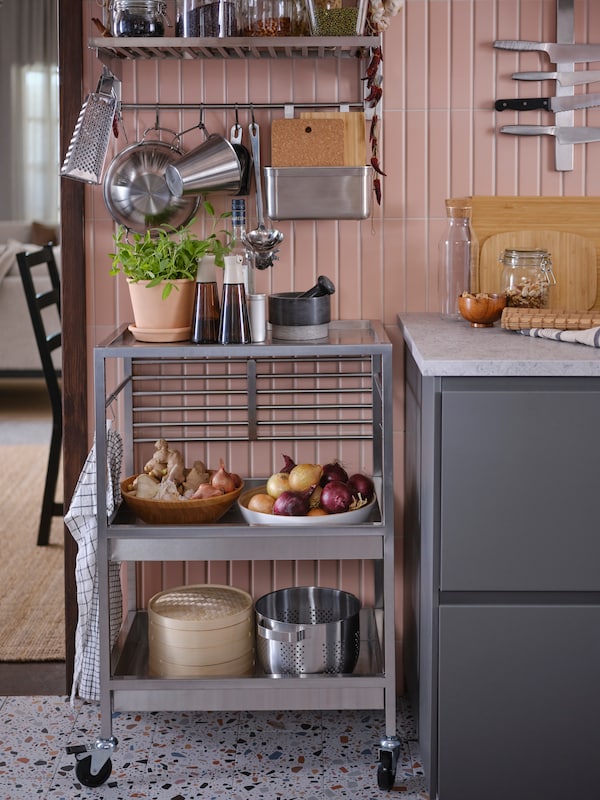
252,517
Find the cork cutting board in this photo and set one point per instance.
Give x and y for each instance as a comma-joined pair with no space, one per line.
355,139
307,143
575,215
573,263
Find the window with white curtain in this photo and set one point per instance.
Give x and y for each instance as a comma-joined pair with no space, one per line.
35,155
29,134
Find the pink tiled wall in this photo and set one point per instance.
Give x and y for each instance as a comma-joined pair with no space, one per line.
439,139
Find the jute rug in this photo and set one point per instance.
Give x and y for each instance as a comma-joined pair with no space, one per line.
31,578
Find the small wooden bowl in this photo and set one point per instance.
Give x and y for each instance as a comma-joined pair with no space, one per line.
482,309
179,512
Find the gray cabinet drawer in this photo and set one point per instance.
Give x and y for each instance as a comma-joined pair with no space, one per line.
518,702
520,489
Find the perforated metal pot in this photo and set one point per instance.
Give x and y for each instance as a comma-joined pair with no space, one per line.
307,629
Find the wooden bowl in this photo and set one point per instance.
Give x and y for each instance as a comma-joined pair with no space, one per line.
179,512
482,309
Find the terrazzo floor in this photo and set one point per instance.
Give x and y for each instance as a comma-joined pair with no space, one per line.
307,755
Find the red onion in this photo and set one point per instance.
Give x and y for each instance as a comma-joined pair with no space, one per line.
289,464
333,472
293,504
336,497
363,485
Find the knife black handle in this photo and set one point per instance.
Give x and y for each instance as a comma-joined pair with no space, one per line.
523,104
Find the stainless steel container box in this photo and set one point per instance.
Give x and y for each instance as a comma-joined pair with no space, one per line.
318,192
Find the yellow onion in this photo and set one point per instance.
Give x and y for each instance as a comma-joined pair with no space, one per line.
304,475
262,503
278,483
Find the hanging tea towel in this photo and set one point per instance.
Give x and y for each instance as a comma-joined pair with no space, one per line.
81,520
590,336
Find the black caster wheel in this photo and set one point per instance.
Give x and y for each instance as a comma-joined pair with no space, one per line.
84,775
385,771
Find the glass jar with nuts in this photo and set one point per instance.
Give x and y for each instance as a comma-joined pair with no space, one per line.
527,277
269,17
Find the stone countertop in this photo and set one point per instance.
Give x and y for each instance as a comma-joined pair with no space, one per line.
453,348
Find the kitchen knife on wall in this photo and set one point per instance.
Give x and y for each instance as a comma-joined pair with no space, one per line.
564,78
564,135
576,53
568,103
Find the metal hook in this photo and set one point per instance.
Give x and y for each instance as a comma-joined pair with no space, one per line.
253,123
156,119
238,127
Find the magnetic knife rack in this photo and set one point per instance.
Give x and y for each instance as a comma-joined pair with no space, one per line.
565,34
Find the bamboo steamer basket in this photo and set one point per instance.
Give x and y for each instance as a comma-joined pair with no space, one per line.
206,629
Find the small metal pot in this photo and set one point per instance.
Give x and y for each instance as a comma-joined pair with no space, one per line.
135,189
213,166
307,629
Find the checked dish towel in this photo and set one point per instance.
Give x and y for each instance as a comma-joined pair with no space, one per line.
81,520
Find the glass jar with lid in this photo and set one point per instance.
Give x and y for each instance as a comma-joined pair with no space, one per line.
269,17
526,277
139,17
208,18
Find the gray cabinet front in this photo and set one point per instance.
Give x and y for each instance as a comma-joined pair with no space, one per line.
518,704
502,584
519,486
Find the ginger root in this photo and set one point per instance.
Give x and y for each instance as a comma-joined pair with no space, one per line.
197,475
146,487
157,466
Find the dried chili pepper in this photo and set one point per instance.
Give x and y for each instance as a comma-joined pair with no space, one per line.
373,66
377,190
373,130
376,166
374,95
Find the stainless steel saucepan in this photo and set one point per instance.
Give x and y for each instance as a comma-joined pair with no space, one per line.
135,188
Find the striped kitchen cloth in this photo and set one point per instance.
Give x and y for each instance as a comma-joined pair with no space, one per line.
590,336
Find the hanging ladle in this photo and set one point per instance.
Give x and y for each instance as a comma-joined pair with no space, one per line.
261,239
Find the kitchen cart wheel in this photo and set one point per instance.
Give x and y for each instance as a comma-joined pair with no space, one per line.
84,773
385,771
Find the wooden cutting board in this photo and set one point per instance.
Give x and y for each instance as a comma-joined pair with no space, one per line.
355,138
501,214
307,143
573,263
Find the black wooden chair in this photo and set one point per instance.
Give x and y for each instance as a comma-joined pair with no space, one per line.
47,342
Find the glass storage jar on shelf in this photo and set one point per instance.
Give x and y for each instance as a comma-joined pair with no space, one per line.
527,277
269,17
139,18
208,18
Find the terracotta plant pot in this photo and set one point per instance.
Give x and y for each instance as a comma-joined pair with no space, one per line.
152,313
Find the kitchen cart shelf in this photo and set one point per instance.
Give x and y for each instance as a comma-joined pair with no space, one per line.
110,50
248,397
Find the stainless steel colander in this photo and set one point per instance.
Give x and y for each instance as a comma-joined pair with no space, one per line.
308,629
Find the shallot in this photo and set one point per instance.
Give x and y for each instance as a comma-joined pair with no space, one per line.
222,479
206,490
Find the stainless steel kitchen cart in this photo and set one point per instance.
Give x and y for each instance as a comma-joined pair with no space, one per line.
319,398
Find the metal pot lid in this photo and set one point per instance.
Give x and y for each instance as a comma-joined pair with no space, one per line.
136,192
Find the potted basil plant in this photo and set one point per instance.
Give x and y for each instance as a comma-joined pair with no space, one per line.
160,266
